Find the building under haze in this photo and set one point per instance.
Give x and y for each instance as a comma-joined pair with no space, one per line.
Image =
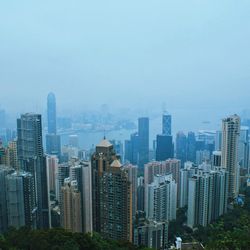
53,141
32,159
166,124
51,113
143,147
164,147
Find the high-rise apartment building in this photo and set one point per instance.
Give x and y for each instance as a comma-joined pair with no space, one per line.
207,197
4,171
161,200
71,212
230,140
20,199
32,159
111,195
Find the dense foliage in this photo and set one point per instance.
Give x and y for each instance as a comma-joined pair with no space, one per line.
231,231
57,239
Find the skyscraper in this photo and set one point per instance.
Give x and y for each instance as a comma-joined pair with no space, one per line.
181,147
161,203
31,159
207,197
51,113
229,157
143,133
191,147
53,141
166,124
111,194
164,147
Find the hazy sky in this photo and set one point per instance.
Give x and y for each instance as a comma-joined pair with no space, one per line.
186,53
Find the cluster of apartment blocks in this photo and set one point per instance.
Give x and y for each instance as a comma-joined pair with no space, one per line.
104,196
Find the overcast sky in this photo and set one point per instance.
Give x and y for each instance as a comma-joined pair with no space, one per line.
184,53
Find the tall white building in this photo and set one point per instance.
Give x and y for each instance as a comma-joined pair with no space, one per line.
162,199
230,140
207,197
188,171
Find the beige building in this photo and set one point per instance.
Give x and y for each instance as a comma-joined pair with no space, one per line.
71,217
111,194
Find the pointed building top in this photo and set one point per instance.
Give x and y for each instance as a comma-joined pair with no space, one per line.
104,143
116,164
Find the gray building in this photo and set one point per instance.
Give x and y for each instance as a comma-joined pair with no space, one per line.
32,159
4,171
20,198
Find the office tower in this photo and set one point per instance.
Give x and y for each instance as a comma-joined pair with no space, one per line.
140,193
207,197
128,151
243,148
51,113
166,124
71,206
20,198
191,147
143,133
52,171
161,200
63,172
164,147
4,171
31,159
216,159
111,195
230,140
134,158
132,176
73,141
181,147
53,145
53,141
218,140
151,234
11,155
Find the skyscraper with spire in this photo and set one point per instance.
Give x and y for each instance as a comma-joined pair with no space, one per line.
51,113
53,141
